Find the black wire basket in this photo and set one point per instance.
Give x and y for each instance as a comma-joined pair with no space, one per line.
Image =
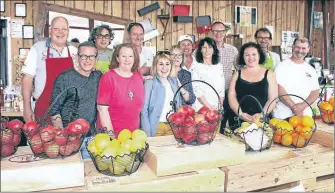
258,135
326,106
119,165
194,128
49,141
295,132
10,136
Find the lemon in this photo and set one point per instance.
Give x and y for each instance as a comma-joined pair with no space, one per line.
101,141
91,147
109,151
115,144
139,135
124,135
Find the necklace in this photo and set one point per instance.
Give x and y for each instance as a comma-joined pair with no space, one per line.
130,92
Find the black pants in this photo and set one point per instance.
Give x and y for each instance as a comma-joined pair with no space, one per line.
226,113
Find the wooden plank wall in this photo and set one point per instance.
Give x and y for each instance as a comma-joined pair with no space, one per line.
283,15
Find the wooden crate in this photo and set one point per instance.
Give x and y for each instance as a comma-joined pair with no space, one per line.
166,157
304,166
24,172
324,134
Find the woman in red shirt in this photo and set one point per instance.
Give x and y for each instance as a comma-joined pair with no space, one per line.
121,92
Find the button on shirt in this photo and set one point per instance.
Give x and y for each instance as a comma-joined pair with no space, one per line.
228,57
34,64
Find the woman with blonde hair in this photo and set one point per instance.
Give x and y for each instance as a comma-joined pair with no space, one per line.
159,93
121,92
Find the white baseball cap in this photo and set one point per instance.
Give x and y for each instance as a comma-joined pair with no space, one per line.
185,37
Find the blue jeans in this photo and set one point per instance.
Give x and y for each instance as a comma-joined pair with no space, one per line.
83,149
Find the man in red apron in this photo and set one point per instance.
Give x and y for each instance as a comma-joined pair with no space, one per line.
44,62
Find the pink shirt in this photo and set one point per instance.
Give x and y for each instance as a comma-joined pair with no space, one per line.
125,98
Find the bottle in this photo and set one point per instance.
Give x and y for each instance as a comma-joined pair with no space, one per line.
1,94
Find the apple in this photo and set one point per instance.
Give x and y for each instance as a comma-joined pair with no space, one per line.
31,128
212,116
212,126
203,127
188,137
203,110
7,150
16,139
190,127
4,124
65,150
60,137
204,138
75,145
36,142
177,118
51,149
177,131
199,118
189,118
47,133
85,124
187,110
15,125
6,136
75,128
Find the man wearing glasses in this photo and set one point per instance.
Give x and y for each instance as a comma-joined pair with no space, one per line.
263,37
228,56
86,80
44,62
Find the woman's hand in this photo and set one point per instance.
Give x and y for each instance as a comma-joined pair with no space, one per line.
256,116
246,117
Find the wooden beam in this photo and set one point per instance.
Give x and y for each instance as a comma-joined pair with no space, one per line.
310,17
326,54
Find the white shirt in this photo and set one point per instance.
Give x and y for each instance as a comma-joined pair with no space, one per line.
297,79
275,58
168,98
146,57
34,65
213,75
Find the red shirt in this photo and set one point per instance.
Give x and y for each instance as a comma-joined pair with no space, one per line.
125,98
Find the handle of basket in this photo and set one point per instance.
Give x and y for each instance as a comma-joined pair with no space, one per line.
294,96
241,102
322,90
58,97
173,103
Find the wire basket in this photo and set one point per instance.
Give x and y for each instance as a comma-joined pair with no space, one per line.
194,128
48,141
294,131
326,106
119,165
257,136
10,136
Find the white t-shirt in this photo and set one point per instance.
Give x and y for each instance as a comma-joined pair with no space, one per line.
213,75
297,79
168,98
275,59
34,64
146,57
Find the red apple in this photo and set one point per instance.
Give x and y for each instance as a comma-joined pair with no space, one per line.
37,149
6,136
60,137
212,116
190,127
177,118
189,119
51,149
47,133
31,128
74,128
16,139
212,126
36,142
203,138
199,118
203,127
177,131
85,125
203,110
4,124
15,125
7,150
187,110
72,137
75,144
65,150
188,137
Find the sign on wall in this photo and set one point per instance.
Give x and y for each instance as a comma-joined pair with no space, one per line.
245,16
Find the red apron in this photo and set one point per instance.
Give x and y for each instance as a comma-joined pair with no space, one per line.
53,66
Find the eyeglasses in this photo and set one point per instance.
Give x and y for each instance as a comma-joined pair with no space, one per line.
263,38
163,52
219,31
176,55
84,57
106,36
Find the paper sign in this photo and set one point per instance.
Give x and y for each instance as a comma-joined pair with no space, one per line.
16,28
270,28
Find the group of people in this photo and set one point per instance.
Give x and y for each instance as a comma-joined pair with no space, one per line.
131,87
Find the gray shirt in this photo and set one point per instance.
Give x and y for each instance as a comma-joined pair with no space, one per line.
87,88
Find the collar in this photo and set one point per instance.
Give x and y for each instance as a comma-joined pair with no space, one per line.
48,43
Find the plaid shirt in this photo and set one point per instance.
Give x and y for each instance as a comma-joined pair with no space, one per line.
228,57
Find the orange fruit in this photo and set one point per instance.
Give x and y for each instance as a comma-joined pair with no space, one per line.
286,140
322,104
298,140
307,121
294,121
306,132
326,107
331,101
327,118
298,129
277,138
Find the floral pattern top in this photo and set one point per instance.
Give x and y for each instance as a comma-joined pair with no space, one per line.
185,76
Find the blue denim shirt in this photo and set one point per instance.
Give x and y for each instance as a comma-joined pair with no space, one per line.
153,104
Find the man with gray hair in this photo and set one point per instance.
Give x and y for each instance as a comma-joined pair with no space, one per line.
44,62
86,80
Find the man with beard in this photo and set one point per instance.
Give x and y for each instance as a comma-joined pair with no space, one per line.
44,62
295,76
263,37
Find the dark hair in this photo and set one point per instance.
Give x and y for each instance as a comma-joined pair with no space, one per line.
115,64
261,54
75,40
220,22
302,40
88,44
263,29
98,29
131,25
198,55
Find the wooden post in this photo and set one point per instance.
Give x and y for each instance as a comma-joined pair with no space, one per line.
326,54
310,29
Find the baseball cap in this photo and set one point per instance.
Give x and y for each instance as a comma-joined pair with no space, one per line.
185,37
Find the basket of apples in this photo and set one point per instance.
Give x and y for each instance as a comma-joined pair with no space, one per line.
10,136
194,128
61,135
326,105
295,131
120,156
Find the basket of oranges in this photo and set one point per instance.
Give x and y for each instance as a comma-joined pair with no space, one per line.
194,128
326,105
295,131
10,136
120,156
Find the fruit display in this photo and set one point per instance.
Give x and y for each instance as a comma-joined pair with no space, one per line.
121,156
257,135
51,142
10,136
296,132
194,128
327,110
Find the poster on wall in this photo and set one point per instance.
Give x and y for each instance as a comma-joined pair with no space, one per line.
270,28
245,16
286,43
317,20
16,28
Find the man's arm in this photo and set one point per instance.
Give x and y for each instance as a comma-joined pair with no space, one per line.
144,70
285,99
27,88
